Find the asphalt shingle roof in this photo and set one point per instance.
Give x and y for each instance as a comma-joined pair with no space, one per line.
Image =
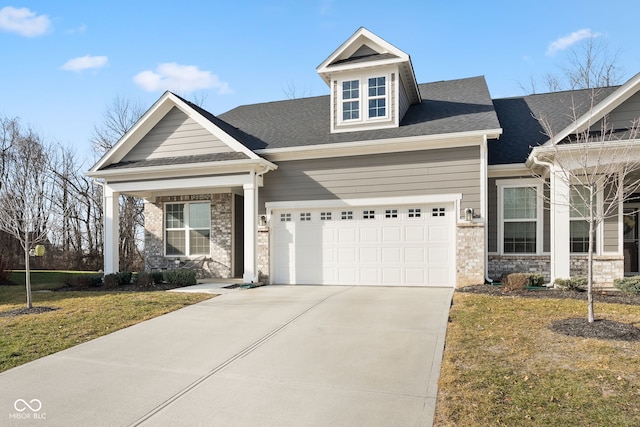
520,119
447,107
202,158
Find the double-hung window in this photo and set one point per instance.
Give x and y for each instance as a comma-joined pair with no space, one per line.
187,228
521,216
351,100
580,201
377,97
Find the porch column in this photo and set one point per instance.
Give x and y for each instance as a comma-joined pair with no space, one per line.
560,226
111,248
250,230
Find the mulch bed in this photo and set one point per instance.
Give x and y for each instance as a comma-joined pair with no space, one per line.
24,310
575,327
127,288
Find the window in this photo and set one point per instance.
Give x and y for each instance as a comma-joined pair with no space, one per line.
346,215
364,99
325,216
377,97
415,213
351,100
368,214
285,217
305,216
187,228
391,213
438,212
579,227
520,219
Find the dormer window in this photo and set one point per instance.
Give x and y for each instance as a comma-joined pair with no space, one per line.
351,100
377,97
364,100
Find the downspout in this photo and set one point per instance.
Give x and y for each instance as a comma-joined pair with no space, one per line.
484,202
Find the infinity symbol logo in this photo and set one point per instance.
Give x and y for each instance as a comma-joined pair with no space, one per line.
22,405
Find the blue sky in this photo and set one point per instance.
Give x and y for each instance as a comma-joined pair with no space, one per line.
64,62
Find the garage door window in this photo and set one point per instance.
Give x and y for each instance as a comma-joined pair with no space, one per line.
187,229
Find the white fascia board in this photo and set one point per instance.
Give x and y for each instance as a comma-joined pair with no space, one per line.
381,146
172,184
610,152
152,117
187,169
213,129
377,201
507,170
148,120
607,105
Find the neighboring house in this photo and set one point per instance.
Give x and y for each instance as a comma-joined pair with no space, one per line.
383,182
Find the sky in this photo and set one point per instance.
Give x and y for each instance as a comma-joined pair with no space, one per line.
63,63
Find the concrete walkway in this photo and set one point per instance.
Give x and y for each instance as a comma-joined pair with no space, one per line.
268,356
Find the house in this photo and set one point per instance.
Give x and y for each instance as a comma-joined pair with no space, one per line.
384,181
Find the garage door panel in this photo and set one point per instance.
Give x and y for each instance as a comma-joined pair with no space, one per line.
399,245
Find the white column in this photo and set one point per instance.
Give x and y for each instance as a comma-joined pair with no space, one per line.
250,230
560,226
111,230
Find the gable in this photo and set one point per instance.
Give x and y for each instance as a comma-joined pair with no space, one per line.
176,135
622,117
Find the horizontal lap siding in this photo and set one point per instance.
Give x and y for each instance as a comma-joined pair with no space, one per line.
622,116
176,135
444,171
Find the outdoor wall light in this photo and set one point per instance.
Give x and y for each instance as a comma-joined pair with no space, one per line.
468,214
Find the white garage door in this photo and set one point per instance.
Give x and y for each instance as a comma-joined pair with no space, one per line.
379,245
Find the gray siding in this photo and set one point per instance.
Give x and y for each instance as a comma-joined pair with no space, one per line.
429,172
174,136
623,115
403,100
610,232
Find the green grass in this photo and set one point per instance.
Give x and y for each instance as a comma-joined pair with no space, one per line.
80,316
503,366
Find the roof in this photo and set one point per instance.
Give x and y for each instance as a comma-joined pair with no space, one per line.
519,117
164,161
453,106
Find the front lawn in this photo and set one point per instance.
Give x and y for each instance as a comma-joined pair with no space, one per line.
503,366
76,317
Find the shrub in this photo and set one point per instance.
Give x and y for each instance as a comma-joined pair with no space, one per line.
158,277
572,284
628,285
180,277
515,282
536,280
124,278
82,280
143,279
110,280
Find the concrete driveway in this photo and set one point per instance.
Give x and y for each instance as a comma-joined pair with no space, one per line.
268,356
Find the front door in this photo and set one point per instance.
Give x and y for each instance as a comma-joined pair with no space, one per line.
631,240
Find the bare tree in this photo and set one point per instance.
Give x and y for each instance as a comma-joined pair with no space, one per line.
25,198
587,65
599,164
119,117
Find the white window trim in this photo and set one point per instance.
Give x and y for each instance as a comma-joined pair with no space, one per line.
599,229
518,183
364,99
186,228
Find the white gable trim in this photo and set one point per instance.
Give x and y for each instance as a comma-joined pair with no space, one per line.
152,117
600,110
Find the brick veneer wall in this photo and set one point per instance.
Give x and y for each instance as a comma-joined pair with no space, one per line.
219,263
470,254
263,254
605,268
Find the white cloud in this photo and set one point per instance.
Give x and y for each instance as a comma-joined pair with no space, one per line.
85,62
78,30
23,22
567,41
180,78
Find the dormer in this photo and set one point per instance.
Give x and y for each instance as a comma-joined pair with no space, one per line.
372,83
